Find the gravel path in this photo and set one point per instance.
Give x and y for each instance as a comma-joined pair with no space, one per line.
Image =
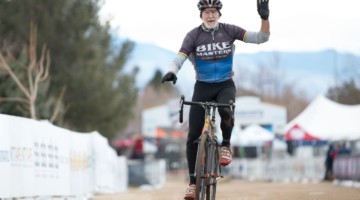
244,190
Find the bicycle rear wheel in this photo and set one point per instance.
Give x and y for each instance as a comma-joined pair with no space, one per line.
200,168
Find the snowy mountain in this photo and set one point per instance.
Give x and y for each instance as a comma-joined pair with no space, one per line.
313,72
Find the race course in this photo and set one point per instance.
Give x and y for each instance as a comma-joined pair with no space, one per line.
244,190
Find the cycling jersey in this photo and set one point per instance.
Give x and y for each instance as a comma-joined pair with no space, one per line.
211,50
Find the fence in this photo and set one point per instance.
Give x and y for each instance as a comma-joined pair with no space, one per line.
148,172
284,169
347,168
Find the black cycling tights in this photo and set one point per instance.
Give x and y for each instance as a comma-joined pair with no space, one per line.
221,92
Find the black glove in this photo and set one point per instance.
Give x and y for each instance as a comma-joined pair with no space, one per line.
170,76
263,8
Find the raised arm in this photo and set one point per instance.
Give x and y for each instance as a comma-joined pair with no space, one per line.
263,10
264,33
265,26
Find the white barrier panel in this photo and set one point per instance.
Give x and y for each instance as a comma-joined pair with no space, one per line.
155,172
104,165
38,159
147,172
252,169
347,167
51,159
277,169
311,168
121,177
81,164
5,169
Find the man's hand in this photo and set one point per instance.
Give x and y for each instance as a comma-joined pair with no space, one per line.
170,76
263,9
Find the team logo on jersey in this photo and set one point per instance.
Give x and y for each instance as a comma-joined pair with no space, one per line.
219,48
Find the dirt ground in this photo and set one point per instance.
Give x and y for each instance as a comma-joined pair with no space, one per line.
243,190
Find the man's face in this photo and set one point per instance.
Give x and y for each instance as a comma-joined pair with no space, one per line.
210,17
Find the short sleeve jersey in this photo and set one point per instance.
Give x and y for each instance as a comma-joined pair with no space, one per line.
211,52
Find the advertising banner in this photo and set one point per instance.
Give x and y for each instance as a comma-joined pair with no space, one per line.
38,159
35,158
81,164
4,157
104,165
51,160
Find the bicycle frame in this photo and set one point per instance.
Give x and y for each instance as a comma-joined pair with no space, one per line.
208,169
209,125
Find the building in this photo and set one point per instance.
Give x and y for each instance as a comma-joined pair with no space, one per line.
250,110
164,116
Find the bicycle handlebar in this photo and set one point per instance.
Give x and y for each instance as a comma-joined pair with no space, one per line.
203,104
181,109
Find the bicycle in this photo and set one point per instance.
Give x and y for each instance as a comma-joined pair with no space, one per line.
207,167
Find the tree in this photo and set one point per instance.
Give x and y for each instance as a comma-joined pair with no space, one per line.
295,101
157,93
85,59
347,93
267,82
31,73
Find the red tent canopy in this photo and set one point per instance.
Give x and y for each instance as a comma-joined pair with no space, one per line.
298,133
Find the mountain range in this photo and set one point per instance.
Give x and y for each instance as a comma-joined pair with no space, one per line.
313,72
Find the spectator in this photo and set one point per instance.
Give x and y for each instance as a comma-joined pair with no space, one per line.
344,150
330,156
138,148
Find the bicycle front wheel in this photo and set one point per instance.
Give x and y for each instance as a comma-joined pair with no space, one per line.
212,170
200,168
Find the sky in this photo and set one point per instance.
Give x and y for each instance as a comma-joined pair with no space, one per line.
306,25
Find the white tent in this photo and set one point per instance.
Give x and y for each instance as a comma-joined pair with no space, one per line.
253,135
278,144
326,120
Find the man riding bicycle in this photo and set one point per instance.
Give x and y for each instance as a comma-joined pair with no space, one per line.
210,48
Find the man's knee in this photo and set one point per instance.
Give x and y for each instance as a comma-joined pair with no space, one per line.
227,116
225,113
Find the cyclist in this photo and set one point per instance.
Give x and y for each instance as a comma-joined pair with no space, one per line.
210,48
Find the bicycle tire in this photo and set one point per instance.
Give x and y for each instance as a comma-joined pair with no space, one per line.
200,168
213,158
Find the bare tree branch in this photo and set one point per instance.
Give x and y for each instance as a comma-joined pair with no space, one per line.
44,69
37,72
32,56
14,99
3,64
58,105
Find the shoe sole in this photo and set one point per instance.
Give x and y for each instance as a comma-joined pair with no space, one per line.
224,163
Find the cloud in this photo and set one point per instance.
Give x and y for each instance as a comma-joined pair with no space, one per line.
295,25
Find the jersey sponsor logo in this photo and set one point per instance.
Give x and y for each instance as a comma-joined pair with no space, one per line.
211,49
